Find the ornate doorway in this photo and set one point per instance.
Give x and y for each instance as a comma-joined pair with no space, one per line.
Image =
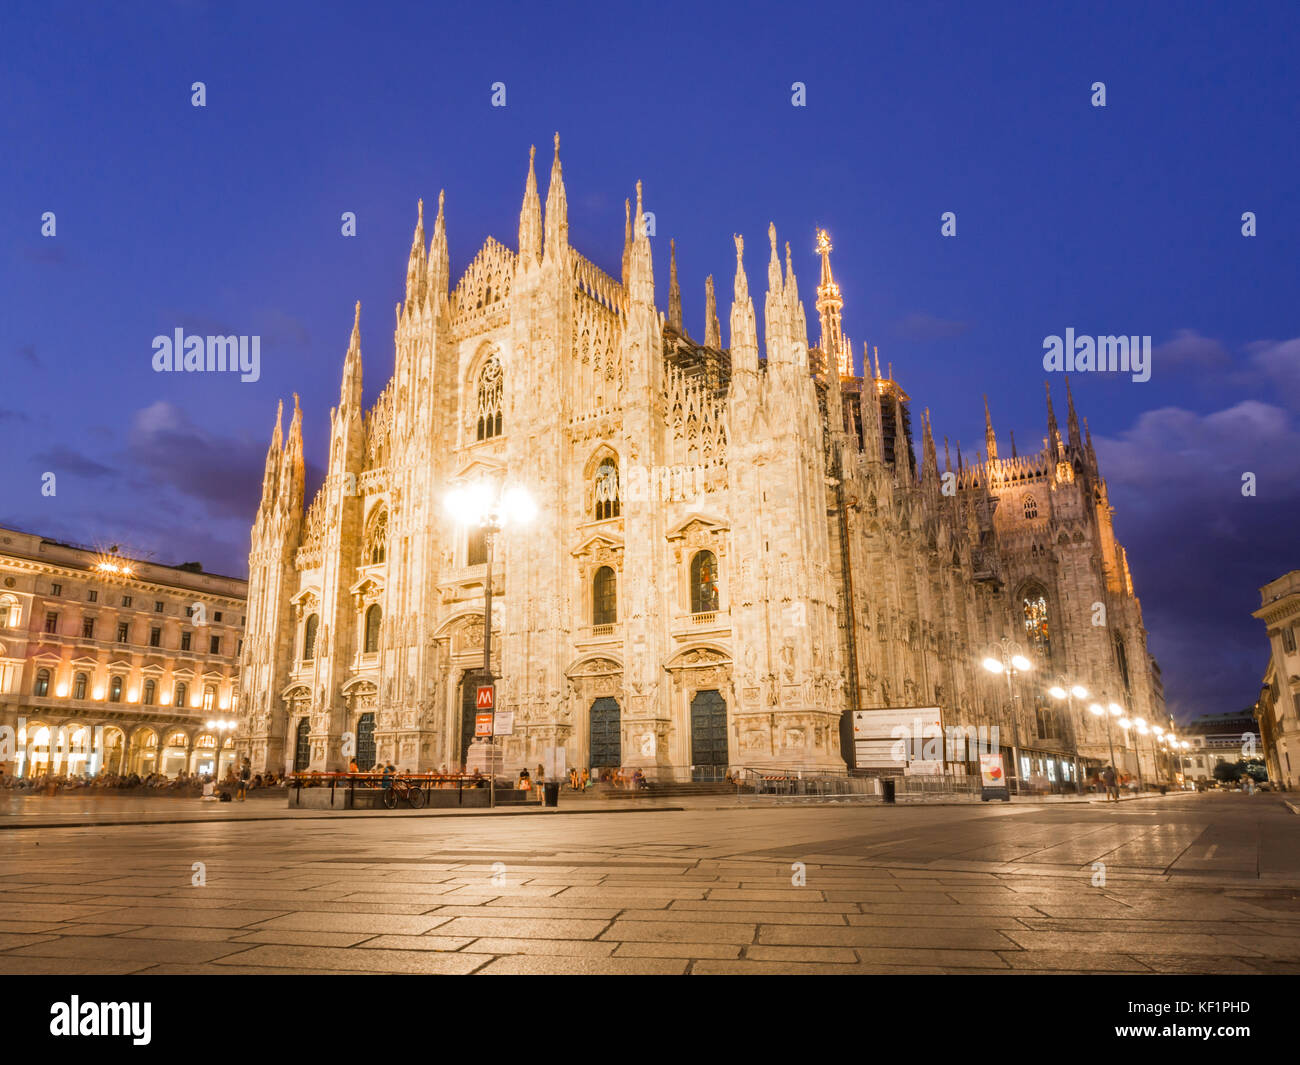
709,755
302,748
365,741
468,696
606,734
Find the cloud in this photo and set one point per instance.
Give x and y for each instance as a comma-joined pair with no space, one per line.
63,460
920,326
1189,348
1279,362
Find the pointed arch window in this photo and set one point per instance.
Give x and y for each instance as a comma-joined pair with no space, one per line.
605,490
1031,507
309,638
373,617
1033,604
1121,660
490,392
704,582
604,597
376,549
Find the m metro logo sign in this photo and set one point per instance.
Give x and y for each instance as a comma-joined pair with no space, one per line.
486,697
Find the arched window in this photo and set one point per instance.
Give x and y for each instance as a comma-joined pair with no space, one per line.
79,686
704,583
179,701
476,547
309,638
115,690
490,393
209,697
606,490
42,682
1031,507
604,597
376,548
150,692
373,616
1034,605
1121,659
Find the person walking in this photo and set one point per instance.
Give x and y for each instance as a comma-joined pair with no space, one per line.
245,772
1112,783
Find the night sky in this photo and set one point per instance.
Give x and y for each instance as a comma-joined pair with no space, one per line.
226,220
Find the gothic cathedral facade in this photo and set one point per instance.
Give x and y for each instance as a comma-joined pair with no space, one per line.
729,551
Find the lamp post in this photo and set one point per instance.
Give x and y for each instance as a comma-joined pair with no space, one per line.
1139,724
1007,658
482,505
1097,710
220,726
1069,694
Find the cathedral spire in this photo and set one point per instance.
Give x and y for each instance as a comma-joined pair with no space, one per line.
350,392
876,352
530,217
947,456
439,270
1053,430
744,329
274,457
798,320
902,449
712,328
674,290
415,267
290,493
557,209
640,272
929,459
829,308
1073,423
775,319
627,240
990,438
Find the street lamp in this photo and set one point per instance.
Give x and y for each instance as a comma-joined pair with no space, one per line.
220,726
1140,726
1007,658
1077,691
1097,710
481,505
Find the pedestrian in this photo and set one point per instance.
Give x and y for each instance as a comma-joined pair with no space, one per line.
538,781
1112,783
352,766
386,781
245,772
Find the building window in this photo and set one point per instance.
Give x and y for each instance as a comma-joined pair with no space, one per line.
373,616
52,624
1033,605
115,690
126,600
214,645
376,543
179,700
216,615
79,686
476,547
185,641
1288,641
490,394
189,611
155,637
606,490
1031,507
704,583
4,615
309,638
239,648
92,596
1121,660
158,606
604,597
87,628
150,692
122,630
209,697
42,682
56,589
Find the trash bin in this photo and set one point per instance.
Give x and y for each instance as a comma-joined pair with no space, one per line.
887,788
551,792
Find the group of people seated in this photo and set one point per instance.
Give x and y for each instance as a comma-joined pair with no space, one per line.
182,783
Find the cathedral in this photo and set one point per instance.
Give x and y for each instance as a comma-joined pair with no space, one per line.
731,549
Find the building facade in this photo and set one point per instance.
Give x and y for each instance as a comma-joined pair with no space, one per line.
111,664
1219,738
1278,709
731,548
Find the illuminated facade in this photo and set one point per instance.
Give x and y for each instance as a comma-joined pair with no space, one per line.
730,550
113,664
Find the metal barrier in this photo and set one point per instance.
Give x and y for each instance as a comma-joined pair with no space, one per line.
780,786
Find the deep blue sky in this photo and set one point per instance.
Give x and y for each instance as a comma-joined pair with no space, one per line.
226,220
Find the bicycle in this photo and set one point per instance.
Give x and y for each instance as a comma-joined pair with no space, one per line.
401,788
